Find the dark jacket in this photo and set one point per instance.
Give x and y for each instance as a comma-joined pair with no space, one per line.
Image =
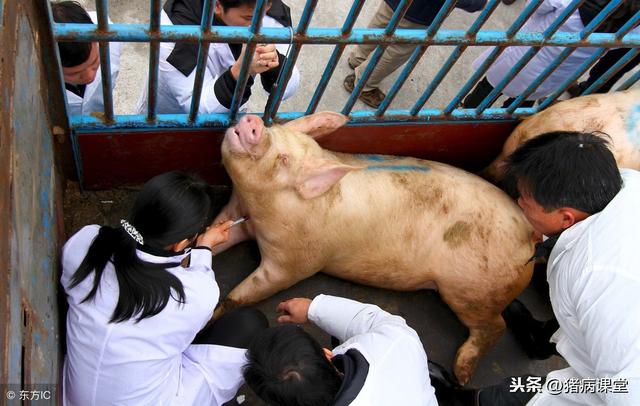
424,11
591,8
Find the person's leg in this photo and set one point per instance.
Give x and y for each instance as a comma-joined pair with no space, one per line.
532,335
392,58
603,65
506,393
478,94
380,20
512,391
234,329
525,103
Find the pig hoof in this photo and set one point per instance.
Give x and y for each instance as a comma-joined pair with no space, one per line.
225,306
462,373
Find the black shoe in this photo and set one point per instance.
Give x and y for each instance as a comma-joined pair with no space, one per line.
448,392
531,334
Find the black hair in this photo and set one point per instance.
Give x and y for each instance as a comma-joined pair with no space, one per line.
227,4
565,169
287,367
72,53
170,208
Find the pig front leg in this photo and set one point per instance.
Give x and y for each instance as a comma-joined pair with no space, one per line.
267,280
244,231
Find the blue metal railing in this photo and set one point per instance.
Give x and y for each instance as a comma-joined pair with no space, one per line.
434,35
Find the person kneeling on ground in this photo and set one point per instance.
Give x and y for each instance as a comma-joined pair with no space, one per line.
569,187
141,297
381,360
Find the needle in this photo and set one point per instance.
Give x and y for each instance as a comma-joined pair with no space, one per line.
239,221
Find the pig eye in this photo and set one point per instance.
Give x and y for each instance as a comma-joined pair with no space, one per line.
283,159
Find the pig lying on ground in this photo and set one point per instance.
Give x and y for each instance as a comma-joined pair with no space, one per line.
390,222
616,114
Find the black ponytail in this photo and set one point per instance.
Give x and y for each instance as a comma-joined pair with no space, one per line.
171,207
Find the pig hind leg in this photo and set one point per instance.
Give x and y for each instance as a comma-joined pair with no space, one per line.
485,326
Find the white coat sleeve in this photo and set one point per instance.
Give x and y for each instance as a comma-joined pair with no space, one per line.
345,318
182,90
547,6
608,315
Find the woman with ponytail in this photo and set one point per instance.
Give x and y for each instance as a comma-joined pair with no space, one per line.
141,297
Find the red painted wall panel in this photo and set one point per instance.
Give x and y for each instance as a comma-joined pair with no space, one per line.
113,159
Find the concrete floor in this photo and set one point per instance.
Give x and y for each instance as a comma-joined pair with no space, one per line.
439,329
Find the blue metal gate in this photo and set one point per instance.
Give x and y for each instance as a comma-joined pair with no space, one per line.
304,35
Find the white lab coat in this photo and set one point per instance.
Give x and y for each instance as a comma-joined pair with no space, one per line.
539,21
594,282
398,370
175,89
151,362
92,101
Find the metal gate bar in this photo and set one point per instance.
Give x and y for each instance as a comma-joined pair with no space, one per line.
205,34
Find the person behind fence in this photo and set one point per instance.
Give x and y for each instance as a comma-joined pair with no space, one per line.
81,62
570,187
177,69
141,296
601,67
539,21
419,15
381,360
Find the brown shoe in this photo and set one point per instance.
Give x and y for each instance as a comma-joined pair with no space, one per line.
372,98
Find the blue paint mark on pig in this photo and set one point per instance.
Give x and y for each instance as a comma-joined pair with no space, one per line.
397,168
374,158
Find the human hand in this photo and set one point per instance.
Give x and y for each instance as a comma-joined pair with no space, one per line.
294,310
215,235
264,58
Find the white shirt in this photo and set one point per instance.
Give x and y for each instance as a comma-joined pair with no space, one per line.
594,282
175,89
151,362
398,370
92,100
539,21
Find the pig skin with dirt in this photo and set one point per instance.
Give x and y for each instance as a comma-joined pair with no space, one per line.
616,114
397,223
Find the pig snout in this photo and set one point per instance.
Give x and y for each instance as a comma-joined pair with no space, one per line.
245,135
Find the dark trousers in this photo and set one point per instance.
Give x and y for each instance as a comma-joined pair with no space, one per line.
482,90
501,394
234,329
606,62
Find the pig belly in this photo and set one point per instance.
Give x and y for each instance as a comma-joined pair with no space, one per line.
388,272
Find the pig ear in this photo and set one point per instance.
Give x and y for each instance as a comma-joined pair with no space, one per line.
318,177
318,124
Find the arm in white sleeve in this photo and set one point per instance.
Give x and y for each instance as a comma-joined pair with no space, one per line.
182,89
345,318
607,312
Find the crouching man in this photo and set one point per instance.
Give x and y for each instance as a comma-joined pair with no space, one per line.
381,360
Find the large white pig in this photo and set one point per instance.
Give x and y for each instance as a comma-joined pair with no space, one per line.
616,114
391,222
